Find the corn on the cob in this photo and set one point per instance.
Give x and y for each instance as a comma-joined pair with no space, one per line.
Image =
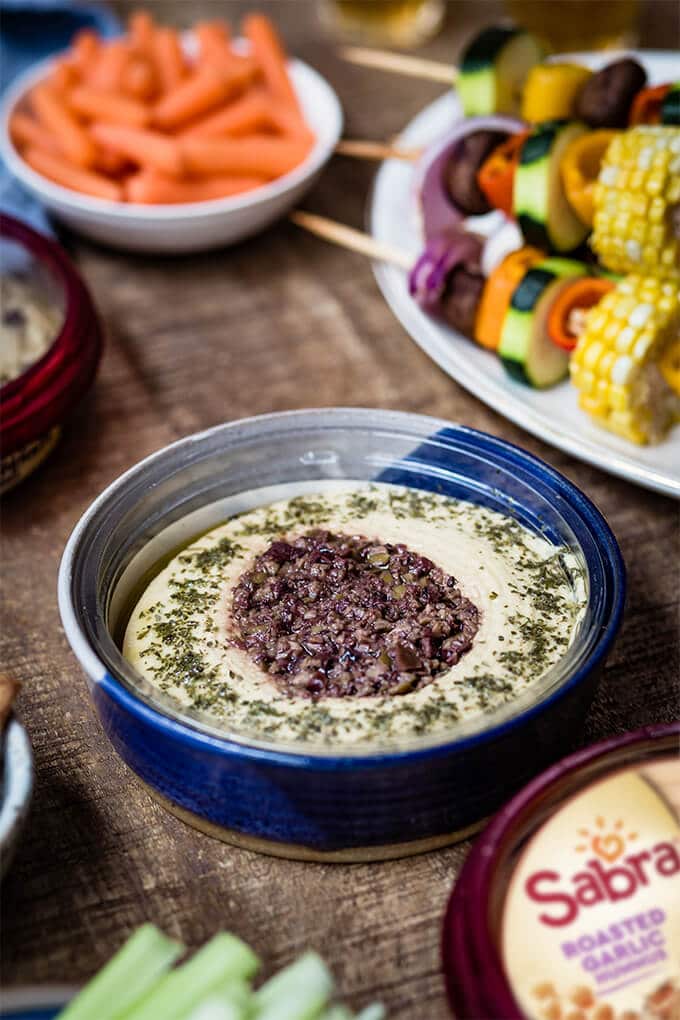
616,365
637,196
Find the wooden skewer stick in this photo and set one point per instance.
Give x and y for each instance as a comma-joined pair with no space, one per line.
347,237
376,150
416,67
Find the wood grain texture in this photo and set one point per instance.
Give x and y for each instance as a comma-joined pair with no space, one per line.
279,322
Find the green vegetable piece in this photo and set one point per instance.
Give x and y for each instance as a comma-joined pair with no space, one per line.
539,200
215,1009
376,1011
136,967
224,958
337,1013
493,70
298,992
526,350
232,1002
670,105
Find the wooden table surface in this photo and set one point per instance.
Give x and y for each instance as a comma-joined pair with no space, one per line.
282,321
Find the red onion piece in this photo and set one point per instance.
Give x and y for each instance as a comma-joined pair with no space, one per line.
438,211
442,254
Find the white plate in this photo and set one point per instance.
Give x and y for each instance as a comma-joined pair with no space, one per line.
552,414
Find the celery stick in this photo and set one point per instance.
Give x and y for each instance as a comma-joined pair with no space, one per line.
376,1011
134,969
224,957
213,1009
216,1007
233,1001
337,1013
298,992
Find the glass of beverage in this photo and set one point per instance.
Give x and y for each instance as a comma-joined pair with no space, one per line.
567,25
383,22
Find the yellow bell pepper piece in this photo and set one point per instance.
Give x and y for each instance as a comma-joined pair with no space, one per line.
580,169
550,91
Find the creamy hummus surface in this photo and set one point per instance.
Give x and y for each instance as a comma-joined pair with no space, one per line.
29,324
504,607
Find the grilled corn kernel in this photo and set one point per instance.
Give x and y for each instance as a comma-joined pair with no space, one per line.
624,365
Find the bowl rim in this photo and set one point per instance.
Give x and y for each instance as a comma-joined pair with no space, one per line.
20,999
40,397
471,931
189,730
17,769
164,213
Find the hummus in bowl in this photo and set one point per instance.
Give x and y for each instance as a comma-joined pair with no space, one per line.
340,634
355,614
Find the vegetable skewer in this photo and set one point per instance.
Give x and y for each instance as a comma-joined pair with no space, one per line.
503,70
535,310
492,72
507,312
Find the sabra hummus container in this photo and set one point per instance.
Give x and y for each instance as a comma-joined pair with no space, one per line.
568,907
312,800
47,301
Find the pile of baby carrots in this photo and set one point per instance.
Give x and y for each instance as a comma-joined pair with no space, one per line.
135,119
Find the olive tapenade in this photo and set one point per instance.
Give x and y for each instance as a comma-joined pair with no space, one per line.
337,615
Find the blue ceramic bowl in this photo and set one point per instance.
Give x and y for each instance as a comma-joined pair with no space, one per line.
370,802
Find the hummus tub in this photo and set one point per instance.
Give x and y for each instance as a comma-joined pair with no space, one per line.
35,403
371,799
582,867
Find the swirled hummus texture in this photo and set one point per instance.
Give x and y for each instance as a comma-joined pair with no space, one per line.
529,596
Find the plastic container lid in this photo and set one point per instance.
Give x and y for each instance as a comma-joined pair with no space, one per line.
38,400
568,907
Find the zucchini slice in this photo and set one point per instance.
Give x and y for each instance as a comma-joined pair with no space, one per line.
494,68
670,105
526,350
539,201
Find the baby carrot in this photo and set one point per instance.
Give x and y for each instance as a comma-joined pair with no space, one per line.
84,50
109,68
69,176
269,53
63,75
214,43
169,56
256,154
141,30
56,118
147,148
205,89
290,122
110,163
106,106
24,130
139,78
150,187
246,115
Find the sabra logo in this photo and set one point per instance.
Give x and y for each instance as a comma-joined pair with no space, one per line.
609,845
601,880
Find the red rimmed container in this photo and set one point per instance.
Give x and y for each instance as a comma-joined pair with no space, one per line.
569,903
34,405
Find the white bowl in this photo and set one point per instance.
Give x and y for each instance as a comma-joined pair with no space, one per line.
16,787
192,226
